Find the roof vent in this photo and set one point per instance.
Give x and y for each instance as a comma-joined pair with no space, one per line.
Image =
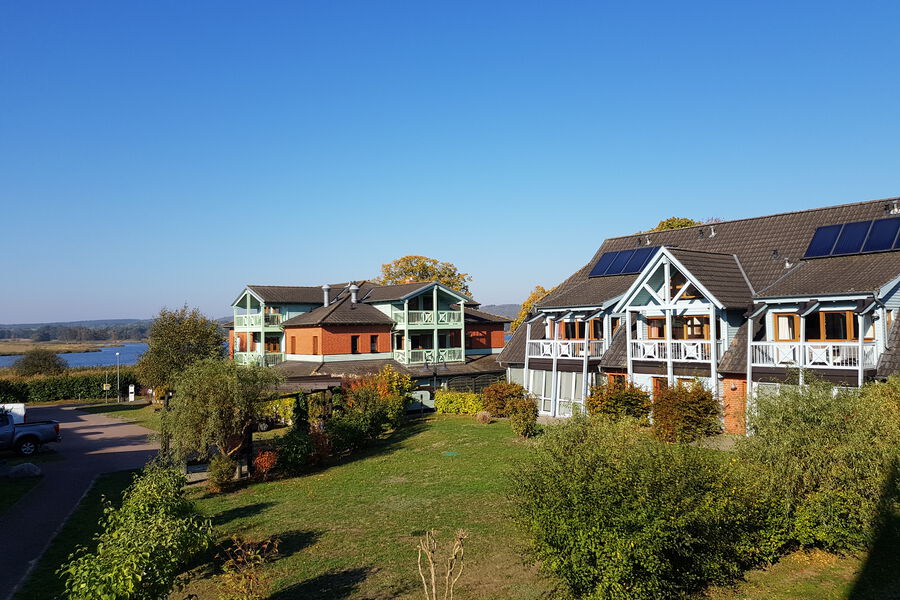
895,209
325,289
353,290
646,240
775,254
712,231
788,264
700,232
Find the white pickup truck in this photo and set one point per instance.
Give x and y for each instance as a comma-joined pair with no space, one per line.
26,438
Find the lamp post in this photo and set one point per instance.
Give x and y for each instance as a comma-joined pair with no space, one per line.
118,387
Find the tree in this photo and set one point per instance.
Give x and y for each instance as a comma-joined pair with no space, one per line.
675,223
410,269
177,338
216,405
536,295
40,361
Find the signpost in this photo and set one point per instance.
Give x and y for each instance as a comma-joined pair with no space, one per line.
131,393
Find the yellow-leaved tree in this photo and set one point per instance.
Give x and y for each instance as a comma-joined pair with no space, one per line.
536,295
411,269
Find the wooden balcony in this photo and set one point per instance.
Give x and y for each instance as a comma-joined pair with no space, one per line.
409,357
814,355
679,350
269,359
257,320
429,317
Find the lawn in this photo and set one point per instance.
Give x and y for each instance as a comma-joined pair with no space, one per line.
43,583
350,531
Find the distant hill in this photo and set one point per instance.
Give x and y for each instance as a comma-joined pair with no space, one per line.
504,310
94,324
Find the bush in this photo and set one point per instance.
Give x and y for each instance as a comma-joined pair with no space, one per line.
221,472
484,417
685,413
523,413
618,401
497,396
40,361
614,514
143,546
829,457
457,403
264,462
294,450
87,383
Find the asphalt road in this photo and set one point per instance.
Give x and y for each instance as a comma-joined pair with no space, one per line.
91,445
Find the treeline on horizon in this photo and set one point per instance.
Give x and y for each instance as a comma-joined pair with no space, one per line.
68,333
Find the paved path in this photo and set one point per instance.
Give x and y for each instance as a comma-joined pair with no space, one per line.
92,444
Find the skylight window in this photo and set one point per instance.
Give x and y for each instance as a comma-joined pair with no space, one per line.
623,262
854,238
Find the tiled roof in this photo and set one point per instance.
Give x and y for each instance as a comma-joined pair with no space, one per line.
341,312
719,273
617,353
890,359
479,315
474,365
292,294
763,245
858,273
514,350
390,293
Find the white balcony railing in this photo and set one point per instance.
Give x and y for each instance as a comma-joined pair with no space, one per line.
565,348
681,350
270,359
429,317
428,356
257,319
817,355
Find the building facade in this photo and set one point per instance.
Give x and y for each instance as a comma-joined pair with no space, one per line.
429,331
738,304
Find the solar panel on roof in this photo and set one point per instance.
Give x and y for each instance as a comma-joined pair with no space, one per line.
882,235
639,259
618,265
603,264
823,241
852,237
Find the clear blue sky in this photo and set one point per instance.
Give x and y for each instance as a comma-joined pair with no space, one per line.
161,153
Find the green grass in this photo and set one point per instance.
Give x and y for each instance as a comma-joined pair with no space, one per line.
44,583
350,531
13,489
143,414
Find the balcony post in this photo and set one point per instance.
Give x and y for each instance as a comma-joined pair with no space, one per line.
584,368
861,360
406,330
262,333
667,312
713,350
748,390
525,373
462,330
801,351
554,391
628,351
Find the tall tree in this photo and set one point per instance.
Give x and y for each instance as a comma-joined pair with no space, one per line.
178,338
40,361
536,295
216,405
409,269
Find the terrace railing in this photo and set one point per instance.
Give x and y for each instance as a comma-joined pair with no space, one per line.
817,355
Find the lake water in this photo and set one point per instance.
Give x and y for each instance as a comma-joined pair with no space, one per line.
128,355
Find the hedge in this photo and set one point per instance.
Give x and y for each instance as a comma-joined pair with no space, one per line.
457,403
71,385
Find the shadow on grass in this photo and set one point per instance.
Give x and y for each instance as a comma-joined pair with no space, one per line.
384,446
295,541
240,512
333,585
879,577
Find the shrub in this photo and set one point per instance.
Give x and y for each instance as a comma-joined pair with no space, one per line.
523,413
614,514
618,401
457,403
484,417
829,457
242,562
264,462
40,361
294,450
143,546
86,383
497,396
279,410
685,413
221,472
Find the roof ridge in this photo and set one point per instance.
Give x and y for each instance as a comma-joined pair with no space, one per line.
790,212
680,249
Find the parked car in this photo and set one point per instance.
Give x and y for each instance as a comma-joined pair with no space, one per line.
26,438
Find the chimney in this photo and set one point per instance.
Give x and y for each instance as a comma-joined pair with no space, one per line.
353,289
325,289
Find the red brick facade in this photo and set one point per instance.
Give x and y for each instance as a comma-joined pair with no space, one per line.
735,404
484,336
336,339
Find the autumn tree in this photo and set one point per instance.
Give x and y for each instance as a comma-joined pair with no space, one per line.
216,405
410,269
536,295
675,223
177,338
